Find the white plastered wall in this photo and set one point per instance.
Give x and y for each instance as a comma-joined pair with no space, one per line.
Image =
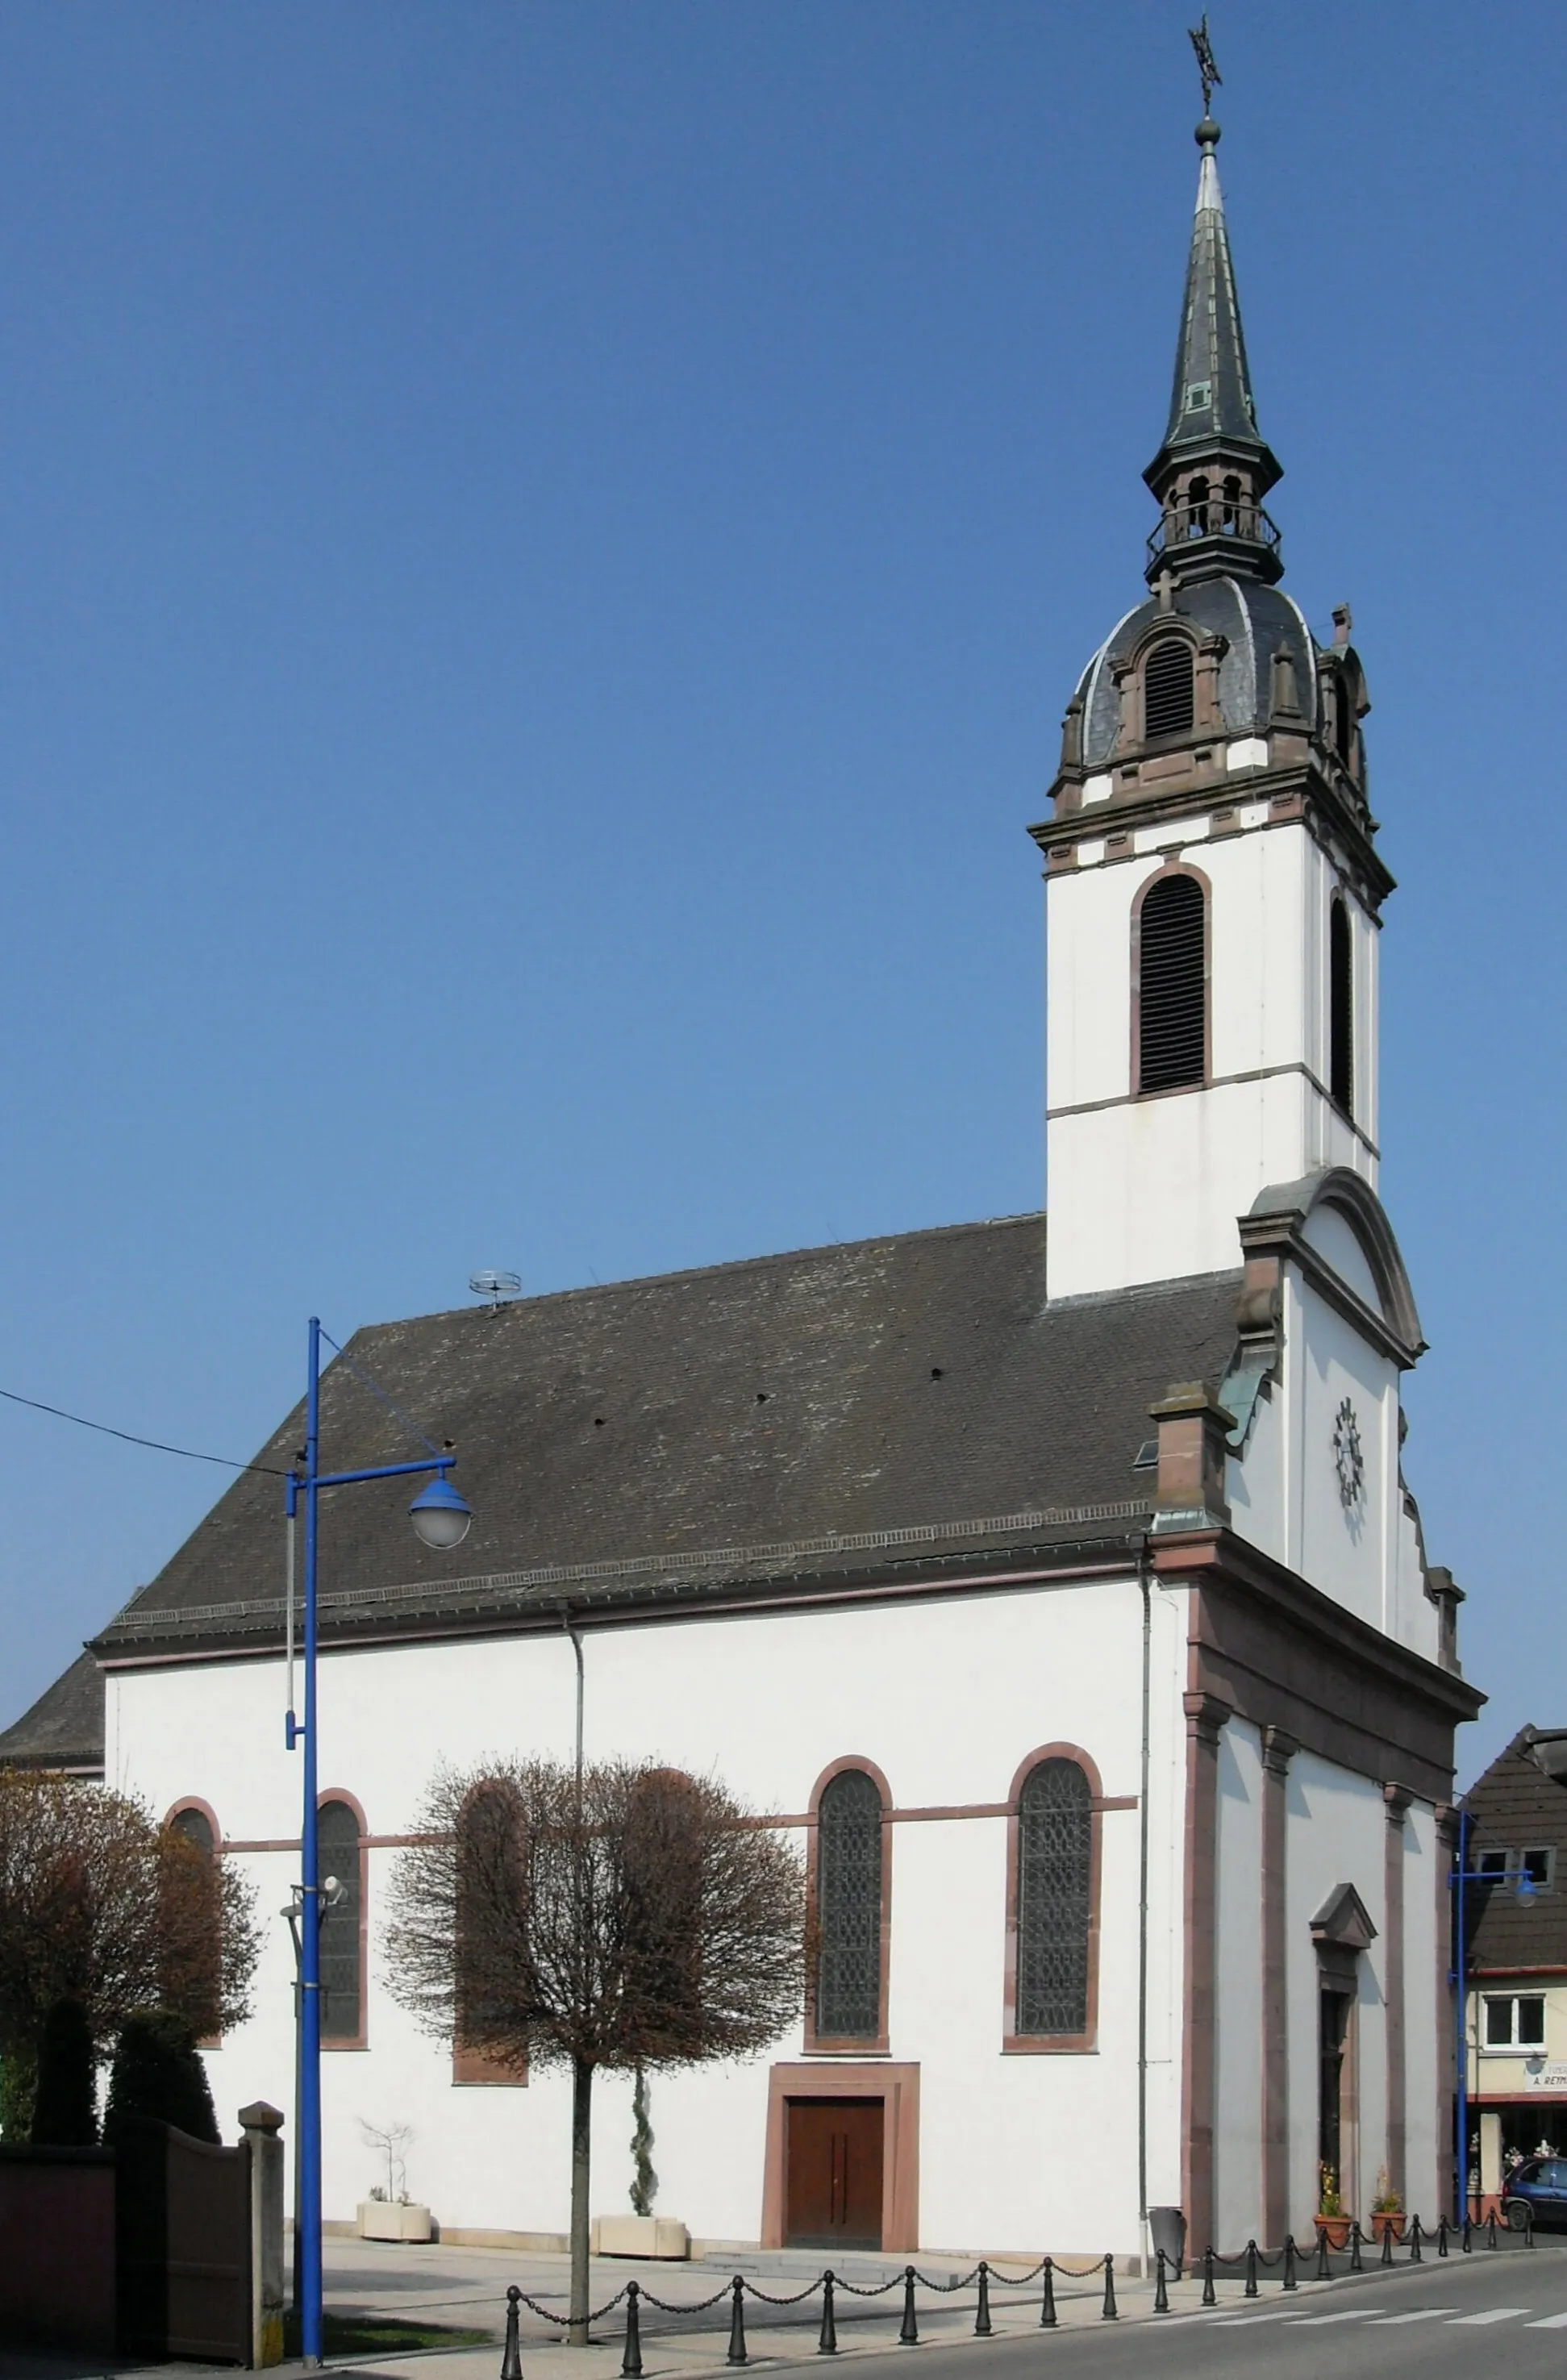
1149,1189
946,1696
1428,2050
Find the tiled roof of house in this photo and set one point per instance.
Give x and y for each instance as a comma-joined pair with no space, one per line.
64,1728
1517,1806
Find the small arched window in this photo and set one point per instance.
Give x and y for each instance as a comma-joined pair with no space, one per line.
342,1924
1172,968
1169,692
1232,515
849,1908
196,1829
1054,1889
1197,507
1341,1008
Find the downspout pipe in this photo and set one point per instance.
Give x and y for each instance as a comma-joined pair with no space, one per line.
1144,1583
577,1648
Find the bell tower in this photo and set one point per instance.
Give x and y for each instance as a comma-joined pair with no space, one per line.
1212,888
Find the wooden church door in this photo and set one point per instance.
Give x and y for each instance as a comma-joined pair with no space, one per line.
832,2194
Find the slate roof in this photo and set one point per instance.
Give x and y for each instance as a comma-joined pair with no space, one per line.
1210,355
1256,622
65,1727
850,1408
1517,1806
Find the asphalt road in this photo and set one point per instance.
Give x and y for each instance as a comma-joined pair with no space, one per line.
1468,2316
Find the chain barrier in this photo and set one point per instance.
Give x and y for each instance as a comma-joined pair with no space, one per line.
1388,2233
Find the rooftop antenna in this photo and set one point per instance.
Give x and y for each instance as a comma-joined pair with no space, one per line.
496,1286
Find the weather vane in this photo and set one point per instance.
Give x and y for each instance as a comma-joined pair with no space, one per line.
1211,75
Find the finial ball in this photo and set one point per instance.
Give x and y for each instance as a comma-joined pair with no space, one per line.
1206,134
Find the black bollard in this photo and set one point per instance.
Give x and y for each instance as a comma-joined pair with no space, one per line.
511,2361
1441,2235
1250,2289
982,2312
1209,2294
1417,2255
909,2334
1468,2240
1161,2294
1357,2238
1108,2312
631,2361
1529,2229
1324,2270
1047,2311
828,2342
738,2323
1491,2228
1387,2255
1290,2280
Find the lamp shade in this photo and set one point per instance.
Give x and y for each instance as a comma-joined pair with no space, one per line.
440,1515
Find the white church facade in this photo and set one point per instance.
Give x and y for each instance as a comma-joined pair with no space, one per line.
1056,1585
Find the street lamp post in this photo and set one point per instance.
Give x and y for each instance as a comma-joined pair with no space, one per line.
1526,1889
441,1519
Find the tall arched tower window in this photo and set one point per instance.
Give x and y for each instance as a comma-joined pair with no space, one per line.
1341,1008
197,1824
488,1843
1169,689
849,1999
342,1925
1054,1889
1170,957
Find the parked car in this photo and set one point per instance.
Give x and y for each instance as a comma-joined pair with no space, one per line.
1535,2190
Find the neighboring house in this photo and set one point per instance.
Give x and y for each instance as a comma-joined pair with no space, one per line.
1061,1593
63,1729
1516,2012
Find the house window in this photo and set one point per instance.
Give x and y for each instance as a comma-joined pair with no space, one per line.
1341,1003
1171,964
1169,689
1054,1898
1493,1863
848,1908
1514,2020
342,1924
1538,1863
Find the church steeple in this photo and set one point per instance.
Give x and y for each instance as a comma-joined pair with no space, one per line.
1214,466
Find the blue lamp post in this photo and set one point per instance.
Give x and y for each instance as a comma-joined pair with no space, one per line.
440,1520
1464,1874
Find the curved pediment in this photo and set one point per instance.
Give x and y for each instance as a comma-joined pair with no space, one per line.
1336,1227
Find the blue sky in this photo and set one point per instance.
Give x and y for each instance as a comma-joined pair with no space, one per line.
542,550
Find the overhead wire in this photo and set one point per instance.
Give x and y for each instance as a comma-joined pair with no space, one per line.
130,1438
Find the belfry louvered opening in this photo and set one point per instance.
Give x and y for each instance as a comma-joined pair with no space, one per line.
1172,985
1341,1017
1168,694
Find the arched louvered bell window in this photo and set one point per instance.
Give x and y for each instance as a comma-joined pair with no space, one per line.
1341,1009
1054,1897
1172,985
1168,698
848,1908
337,1848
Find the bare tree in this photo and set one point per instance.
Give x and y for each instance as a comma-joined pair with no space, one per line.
633,1916
102,1906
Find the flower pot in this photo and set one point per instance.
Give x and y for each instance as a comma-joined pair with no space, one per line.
1386,2219
1334,2229
384,2219
640,2235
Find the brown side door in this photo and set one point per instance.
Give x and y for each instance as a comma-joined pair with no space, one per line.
832,2195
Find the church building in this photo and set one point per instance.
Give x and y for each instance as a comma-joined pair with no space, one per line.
1056,1584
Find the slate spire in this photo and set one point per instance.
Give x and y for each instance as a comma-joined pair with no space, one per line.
1214,466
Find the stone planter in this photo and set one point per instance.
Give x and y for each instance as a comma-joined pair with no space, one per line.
383,2218
1334,2229
640,2235
1385,2220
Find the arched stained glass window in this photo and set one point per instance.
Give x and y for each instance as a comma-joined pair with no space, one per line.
1054,1898
197,1828
848,1904
337,1841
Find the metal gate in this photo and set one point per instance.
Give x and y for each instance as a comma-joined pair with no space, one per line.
183,2247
